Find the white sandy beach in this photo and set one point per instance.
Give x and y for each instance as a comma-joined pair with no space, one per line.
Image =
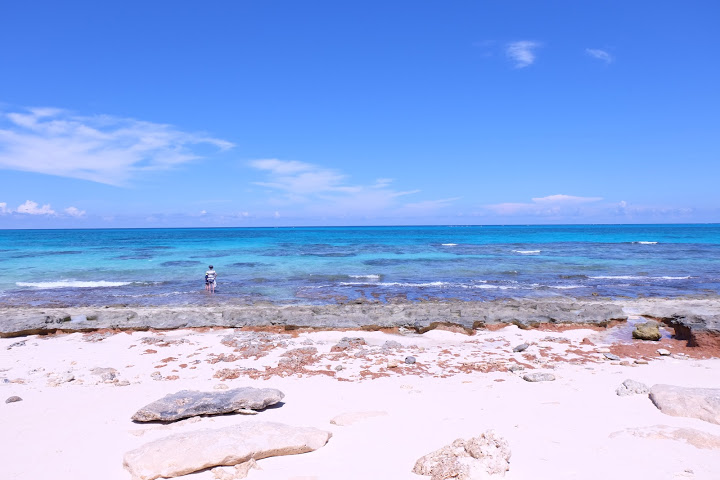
73,424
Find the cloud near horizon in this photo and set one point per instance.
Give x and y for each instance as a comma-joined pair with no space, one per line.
33,208
101,148
522,52
551,205
324,191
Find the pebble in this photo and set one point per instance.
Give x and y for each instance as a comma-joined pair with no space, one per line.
393,363
338,368
611,356
410,360
520,348
641,362
663,352
13,399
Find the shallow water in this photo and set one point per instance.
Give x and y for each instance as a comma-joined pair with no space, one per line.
320,265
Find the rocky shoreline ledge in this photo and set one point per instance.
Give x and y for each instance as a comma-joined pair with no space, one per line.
696,320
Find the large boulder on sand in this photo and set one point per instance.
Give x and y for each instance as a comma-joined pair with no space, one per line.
701,403
185,453
478,457
189,403
647,331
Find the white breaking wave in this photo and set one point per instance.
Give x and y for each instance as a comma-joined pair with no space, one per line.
72,284
527,252
401,284
370,277
449,244
619,277
645,243
566,287
637,277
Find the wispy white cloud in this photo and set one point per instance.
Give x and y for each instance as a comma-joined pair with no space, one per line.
32,208
600,55
551,205
522,52
74,212
101,148
565,199
427,206
324,191
630,211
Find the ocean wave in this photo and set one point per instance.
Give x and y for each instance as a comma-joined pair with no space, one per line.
399,284
369,277
72,284
482,285
566,287
645,243
527,252
638,277
619,277
449,244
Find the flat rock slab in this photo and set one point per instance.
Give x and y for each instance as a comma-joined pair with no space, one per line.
350,418
189,403
701,403
538,377
696,438
185,453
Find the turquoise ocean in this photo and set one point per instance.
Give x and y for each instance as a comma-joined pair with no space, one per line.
334,264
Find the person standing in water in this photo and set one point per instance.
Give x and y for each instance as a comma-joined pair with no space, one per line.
210,282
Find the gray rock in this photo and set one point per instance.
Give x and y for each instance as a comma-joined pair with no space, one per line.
701,403
347,343
13,399
631,387
478,457
611,356
338,368
515,368
391,345
106,374
185,453
410,360
538,377
663,352
189,403
521,348
647,331
416,316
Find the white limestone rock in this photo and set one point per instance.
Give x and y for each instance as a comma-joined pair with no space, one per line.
189,452
473,459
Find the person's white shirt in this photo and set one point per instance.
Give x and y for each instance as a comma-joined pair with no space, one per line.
211,275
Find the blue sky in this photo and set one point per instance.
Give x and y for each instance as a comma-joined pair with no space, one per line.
262,113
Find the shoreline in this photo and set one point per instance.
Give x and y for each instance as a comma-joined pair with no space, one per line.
696,320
